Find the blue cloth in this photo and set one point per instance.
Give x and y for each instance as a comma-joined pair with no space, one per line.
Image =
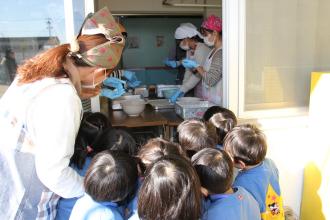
135,216
87,209
176,95
132,206
190,64
237,206
262,182
171,63
219,146
64,206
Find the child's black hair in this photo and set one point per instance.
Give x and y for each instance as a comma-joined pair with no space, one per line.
215,169
111,176
222,119
91,128
116,139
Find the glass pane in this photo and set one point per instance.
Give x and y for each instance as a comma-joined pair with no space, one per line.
285,42
30,27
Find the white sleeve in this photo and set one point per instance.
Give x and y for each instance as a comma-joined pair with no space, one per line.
54,118
190,83
201,53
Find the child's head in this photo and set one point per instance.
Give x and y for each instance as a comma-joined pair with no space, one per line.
116,139
246,144
195,135
92,123
91,127
170,190
215,170
157,148
223,119
111,176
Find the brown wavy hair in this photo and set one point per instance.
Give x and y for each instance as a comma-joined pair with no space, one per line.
170,190
50,62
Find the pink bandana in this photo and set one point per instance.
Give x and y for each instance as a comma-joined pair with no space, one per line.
213,23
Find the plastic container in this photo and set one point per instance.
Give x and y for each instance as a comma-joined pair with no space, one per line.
188,99
192,110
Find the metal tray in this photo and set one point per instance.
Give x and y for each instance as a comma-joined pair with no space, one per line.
161,104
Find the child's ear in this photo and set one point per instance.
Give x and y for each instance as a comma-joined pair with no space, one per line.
205,192
239,164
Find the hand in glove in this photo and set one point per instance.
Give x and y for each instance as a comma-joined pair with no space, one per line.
132,80
129,75
177,95
171,63
112,81
190,64
112,94
133,84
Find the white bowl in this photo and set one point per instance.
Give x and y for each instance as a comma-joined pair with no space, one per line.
133,107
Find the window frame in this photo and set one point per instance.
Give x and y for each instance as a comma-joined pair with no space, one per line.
234,44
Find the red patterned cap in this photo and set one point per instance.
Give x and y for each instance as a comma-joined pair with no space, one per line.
108,54
213,23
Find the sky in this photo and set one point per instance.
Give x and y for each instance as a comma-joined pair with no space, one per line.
28,18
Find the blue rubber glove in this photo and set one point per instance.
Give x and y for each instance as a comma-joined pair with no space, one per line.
112,94
132,80
133,84
177,95
190,64
113,81
171,63
129,75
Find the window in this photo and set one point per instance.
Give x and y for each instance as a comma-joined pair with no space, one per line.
30,27
284,42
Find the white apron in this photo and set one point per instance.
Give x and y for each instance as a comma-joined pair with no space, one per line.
214,93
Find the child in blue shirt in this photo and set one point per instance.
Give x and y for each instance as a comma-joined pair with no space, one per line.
170,191
150,152
223,202
222,119
94,136
194,134
109,181
247,146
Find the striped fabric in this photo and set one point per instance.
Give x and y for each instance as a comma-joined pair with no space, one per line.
214,75
47,205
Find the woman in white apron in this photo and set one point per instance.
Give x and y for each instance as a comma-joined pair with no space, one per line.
40,116
196,50
211,71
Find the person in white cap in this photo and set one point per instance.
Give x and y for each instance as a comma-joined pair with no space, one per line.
191,41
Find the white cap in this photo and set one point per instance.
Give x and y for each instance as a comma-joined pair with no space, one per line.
186,30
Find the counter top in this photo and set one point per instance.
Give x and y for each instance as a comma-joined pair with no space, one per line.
149,117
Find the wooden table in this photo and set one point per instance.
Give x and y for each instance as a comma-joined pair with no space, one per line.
165,118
